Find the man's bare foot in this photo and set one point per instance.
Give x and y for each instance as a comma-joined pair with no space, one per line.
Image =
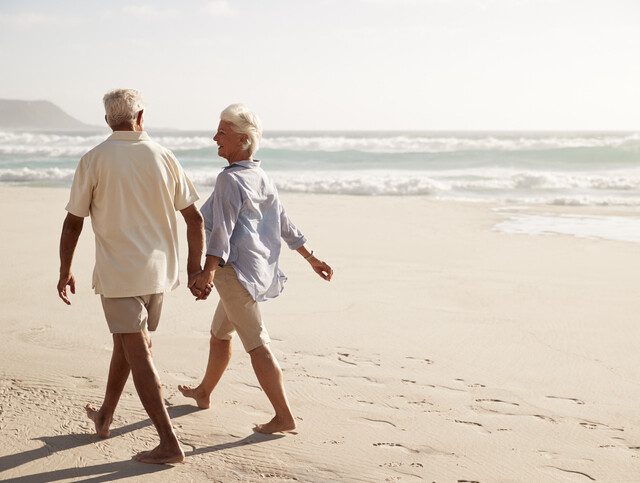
161,455
203,399
276,425
101,422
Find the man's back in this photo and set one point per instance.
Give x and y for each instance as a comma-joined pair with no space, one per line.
132,187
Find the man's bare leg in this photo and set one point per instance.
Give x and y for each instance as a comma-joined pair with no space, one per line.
269,376
118,375
219,357
149,390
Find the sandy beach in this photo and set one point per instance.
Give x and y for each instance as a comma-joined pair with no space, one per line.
443,350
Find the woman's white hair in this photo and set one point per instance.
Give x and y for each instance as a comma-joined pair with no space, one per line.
244,122
122,105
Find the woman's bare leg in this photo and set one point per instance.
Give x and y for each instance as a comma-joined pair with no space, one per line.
219,357
270,378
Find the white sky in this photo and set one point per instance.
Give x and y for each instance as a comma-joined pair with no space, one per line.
334,64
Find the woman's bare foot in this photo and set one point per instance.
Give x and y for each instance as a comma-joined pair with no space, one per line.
276,425
203,400
101,422
161,455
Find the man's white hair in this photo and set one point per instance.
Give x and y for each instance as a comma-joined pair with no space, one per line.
122,106
244,122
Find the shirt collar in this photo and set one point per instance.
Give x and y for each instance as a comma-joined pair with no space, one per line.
245,164
129,136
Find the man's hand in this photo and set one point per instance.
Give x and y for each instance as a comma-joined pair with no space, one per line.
321,268
201,284
71,229
66,279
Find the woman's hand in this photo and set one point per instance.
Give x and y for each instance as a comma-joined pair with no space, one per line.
201,284
321,268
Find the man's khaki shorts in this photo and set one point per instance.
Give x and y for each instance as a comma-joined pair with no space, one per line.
126,315
237,311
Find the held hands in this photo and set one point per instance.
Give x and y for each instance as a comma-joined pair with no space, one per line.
66,279
321,268
201,283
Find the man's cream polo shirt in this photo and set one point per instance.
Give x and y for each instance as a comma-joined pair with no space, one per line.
132,187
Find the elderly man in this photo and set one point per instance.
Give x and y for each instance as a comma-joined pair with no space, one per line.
132,187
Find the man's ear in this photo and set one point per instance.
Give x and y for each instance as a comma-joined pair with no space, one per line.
105,120
140,117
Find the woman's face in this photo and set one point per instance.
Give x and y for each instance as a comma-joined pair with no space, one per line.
230,143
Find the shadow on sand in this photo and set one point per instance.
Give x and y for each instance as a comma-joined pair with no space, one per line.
107,471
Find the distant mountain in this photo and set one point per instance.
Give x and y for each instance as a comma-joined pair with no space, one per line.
37,115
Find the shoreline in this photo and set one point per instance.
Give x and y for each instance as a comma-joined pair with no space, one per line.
503,210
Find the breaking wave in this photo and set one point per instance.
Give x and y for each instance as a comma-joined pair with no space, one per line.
75,145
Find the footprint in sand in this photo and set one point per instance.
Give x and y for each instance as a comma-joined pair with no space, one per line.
348,358
497,401
449,388
333,441
571,399
252,386
364,401
422,402
382,421
342,358
398,464
544,418
420,359
368,379
472,423
595,425
277,475
572,471
325,381
397,445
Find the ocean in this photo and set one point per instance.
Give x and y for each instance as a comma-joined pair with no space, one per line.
548,168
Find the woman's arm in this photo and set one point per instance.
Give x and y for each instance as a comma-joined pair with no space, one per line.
318,266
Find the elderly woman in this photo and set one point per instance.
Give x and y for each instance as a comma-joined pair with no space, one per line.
244,221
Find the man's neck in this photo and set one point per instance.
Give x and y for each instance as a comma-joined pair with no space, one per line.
128,127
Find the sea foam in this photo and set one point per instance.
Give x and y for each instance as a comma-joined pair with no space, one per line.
56,145
604,227
541,168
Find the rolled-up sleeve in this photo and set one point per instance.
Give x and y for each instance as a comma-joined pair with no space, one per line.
81,190
292,236
225,208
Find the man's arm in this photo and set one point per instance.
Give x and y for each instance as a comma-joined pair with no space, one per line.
71,229
195,241
195,238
